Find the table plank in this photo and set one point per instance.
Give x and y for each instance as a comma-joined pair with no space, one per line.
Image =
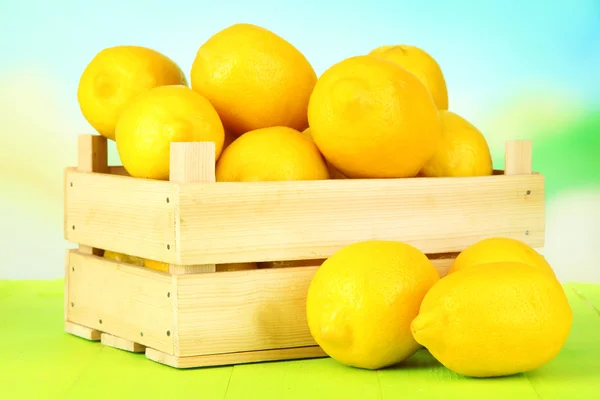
39,360
575,372
316,379
423,377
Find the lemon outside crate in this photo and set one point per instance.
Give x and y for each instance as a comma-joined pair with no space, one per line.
196,315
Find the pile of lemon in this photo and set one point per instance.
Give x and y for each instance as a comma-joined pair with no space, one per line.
256,96
383,114
499,311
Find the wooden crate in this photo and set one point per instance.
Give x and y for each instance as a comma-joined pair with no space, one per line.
195,315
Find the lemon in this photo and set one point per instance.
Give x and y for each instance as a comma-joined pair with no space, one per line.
499,249
156,265
463,150
494,320
363,298
254,78
123,258
115,76
271,154
158,117
229,138
422,65
371,118
333,172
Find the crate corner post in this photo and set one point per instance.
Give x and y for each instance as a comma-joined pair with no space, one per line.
518,157
518,160
190,162
92,156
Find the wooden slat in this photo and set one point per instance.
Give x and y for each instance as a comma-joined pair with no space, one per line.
122,344
191,162
518,157
235,358
66,287
126,301
92,153
271,221
82,331
92,156
122,214
242,311
247,310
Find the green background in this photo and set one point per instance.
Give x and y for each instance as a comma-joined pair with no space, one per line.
516,70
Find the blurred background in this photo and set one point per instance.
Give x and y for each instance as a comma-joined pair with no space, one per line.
527,70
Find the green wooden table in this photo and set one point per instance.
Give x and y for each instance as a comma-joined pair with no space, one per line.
39,361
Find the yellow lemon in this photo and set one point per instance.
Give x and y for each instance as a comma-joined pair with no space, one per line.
333,172
463,150
254,78
499,319
371,118
158,117
499,249
123,258
362,300
422,65
229,138
115,76
156,265
271,154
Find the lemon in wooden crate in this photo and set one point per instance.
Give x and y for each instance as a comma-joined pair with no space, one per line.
499,249
371,118
254,78
156,265
115,76
271,154
462,151
422,65
124,258
362,300
158,117
494,319
333,172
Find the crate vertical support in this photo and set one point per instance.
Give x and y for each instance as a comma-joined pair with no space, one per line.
191,162
92,156
518,157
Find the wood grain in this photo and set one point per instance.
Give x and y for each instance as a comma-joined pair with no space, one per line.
82,331
518,157
272,221
121,344
242,311
122,214
191,162
294,353
92,156
126,301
